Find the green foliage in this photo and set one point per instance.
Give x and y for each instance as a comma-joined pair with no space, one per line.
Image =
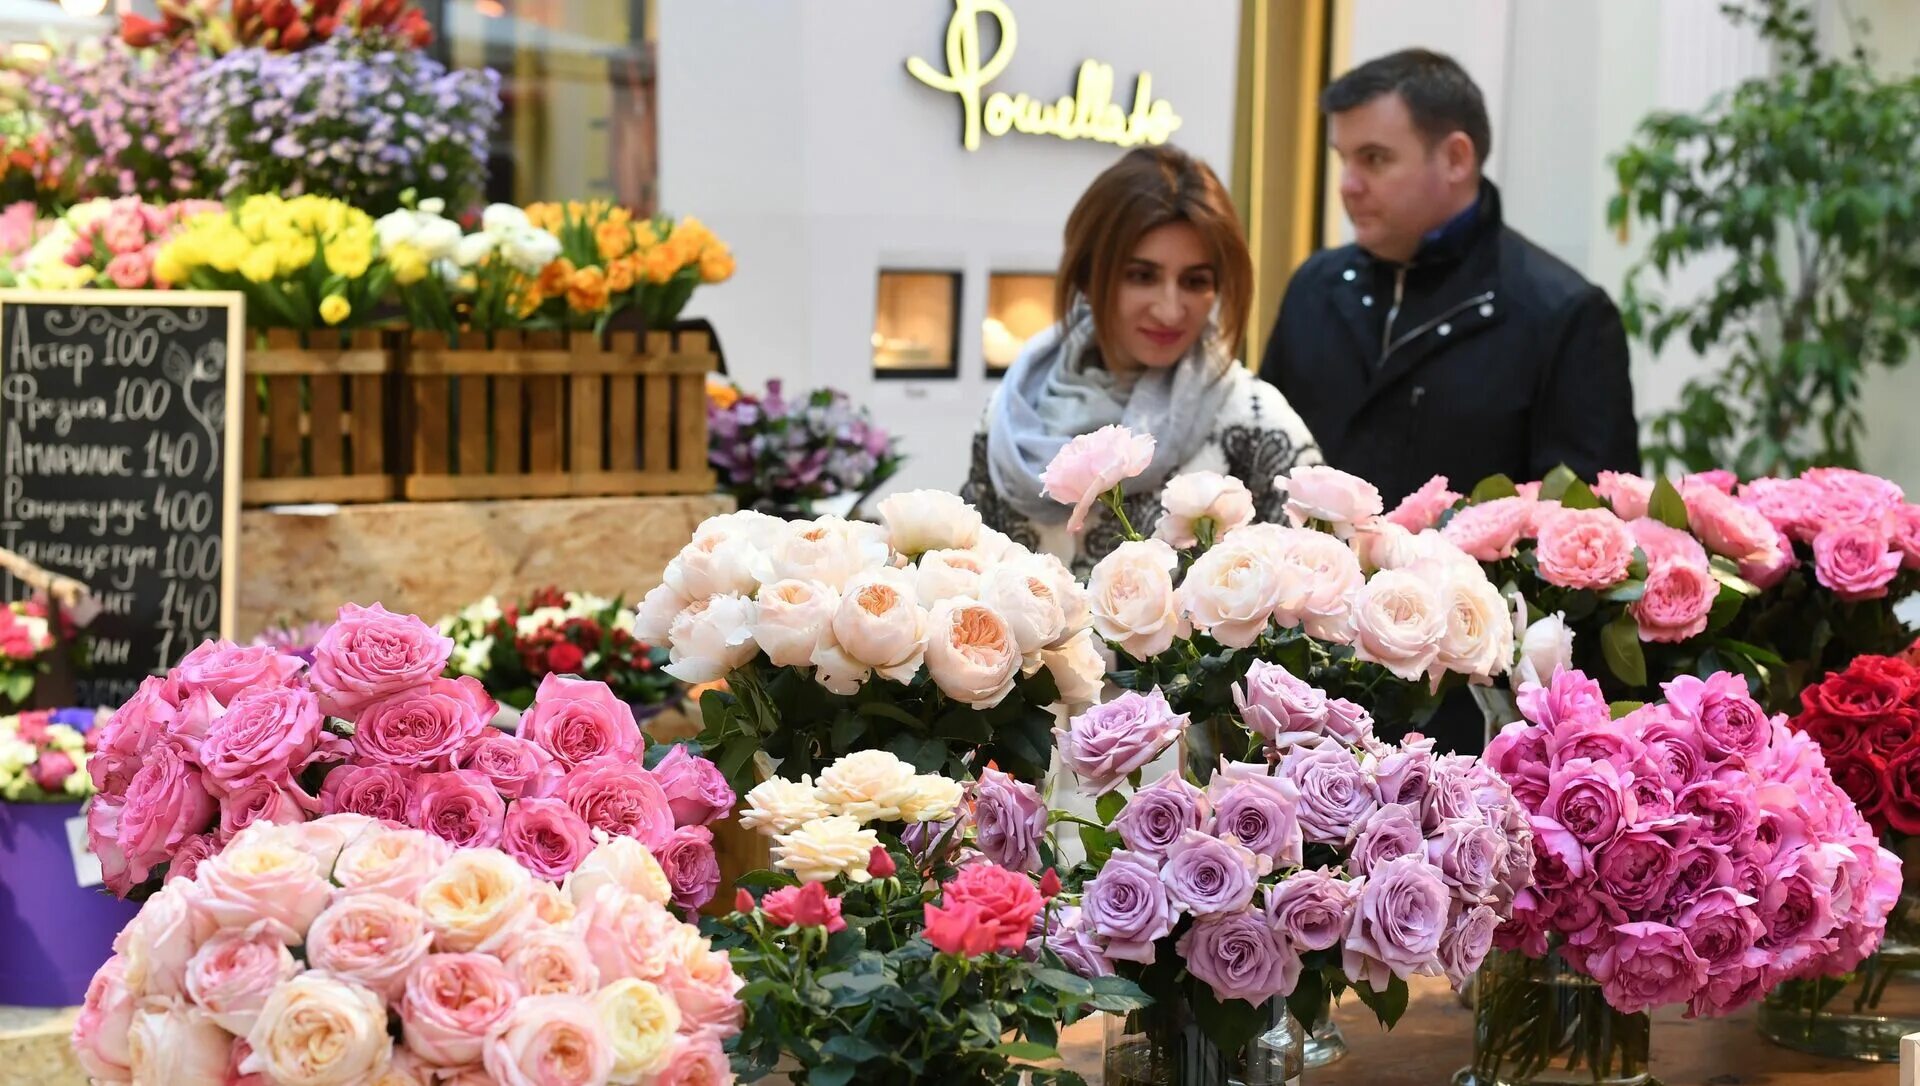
1804,178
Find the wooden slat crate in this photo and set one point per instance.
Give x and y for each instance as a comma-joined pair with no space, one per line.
542,414
316,418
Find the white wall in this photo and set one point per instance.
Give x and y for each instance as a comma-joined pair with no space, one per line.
795,132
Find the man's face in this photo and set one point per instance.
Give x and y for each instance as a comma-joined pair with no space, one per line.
1394,186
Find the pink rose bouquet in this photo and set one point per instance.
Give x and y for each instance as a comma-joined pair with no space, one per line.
267,965
234,736
117,246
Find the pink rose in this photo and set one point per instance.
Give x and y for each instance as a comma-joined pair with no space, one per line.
166,803
518,769
1678,599
176,1042
234,972
1856,561
622,799
627,935
227,670
1584,548
1489,530
1664,545
547,837
455,1003
1317,493
696,789
696,1060
1846,496
460,807
265,733
370,939
382,792
551,1040
1905,525
263,879
1766,574
1421,509
130,270
100,1033
51,770
396,863
691,866
371,653
1627,493
1221,501
578,720
1646,966
1728,527
1088,466
1719,479
550,962
703,982
1793,506
193,852
260,799
132,730
423,727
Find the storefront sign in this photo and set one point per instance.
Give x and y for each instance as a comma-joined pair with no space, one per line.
1090,113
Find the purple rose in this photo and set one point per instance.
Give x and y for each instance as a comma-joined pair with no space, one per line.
460,807
1599,740
1647,966
696,790
1721,927
1156,816
1336,793
1237,955
1700,867
1205,874
691,866
1652,799
1112,739
1636,868
1347,722
1568,698
1259,811
1390,833
1723,809
1466,943
1402,913
1311,910
1010,818
1469,854
1127,905
1404,775
1673,744
1280,707
1731,723
1590,800
1559,859
1452,792
1071,938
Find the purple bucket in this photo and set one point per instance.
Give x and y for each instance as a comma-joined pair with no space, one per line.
57,933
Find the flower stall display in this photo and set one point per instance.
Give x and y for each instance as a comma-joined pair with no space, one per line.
27,174
25,640
929,635
1334,861
284,25
43,755
937,959
110,243
452,281
512,649
611,262
781,456
347,951
115,120
233,736
1866,720
354,117
1693,851
307,262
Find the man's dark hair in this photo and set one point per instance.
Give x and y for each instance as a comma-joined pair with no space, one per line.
1439,94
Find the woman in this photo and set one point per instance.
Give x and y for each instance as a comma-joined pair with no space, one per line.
1156,283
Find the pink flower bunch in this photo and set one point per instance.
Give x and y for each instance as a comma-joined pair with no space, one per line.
1694,851
343,950
1859,529
233,736
121,243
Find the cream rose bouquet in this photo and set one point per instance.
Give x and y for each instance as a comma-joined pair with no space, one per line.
345,951
927,635
1382,623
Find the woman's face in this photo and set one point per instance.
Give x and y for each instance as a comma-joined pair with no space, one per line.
1165,298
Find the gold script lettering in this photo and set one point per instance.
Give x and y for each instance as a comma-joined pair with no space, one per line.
1089,113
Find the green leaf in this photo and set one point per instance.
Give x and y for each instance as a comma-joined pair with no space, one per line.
1618,709
1308,1000
1628,591
832,1074
1231,1024
1752,652
1096,845
851,1047
1579,495
847,730
1062,981
1620,647
1666,506
1026,1050
1554,486
1491,487
1387,1006
1731,577
1109,806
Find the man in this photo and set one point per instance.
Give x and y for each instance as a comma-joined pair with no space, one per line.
1443,342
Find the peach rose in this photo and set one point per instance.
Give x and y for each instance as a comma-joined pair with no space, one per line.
319,1031
263,878
177,1043
1398,622
789,618
828,551
477,901
551,1040
710,638
1231,591
1202,500
971,653
234,973
396,863
453,1004
553,963
1133,600
370,939
939,575
918,521
879,626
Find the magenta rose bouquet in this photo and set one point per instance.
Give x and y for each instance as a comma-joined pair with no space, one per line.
233,736
345,950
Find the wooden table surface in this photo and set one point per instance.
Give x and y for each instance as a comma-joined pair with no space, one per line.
1435,1039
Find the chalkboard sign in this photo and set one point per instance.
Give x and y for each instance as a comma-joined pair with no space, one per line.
119,466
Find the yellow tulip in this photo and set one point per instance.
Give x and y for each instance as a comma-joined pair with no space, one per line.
349,256
716,265
613,240
662,264
334,309
167,267
260,265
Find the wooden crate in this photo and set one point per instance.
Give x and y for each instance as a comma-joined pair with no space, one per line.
542,414
316,418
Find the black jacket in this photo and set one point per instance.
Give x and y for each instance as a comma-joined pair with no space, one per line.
1500,358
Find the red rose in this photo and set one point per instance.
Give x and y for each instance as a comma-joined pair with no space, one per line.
959,929
804,906
1890,733
1871,686
1837,736
1901,807
565,658
1006,899
1863,777
880,863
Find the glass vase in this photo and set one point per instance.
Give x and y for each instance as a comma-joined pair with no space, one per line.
1325,1043
1862,1015
1163,1045
1538,1022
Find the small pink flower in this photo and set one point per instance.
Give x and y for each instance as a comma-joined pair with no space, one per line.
1855,560
1488,531
1626,492
1092,464
1584,548
1421,509
1678,599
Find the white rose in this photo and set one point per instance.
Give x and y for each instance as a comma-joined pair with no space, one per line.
1320,493
781,806
944,574
1398,621
716,563
972,653
1132,599
318,1031
657,611
867,785
1546,648
929,520
1078,670
711,638
789,619
1385,545
624,864
1027,596
879,625
829,550
825,849
502,217
995,546
641,1021
1221,500
1478,642
1232,590
1324,575
933,798
538,619
172,1042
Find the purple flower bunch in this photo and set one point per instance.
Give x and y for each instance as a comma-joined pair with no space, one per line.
1693,851
115,121
1341,855
351,118
772,451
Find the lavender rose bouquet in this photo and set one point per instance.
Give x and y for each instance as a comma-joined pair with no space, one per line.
777,454
1335,861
